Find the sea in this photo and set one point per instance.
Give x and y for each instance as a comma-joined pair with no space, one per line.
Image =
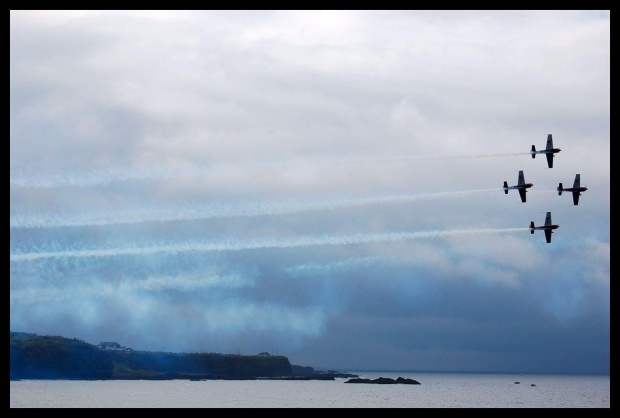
436,390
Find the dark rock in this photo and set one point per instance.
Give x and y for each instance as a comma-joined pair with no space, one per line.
407,381
384,381
308,377
358,380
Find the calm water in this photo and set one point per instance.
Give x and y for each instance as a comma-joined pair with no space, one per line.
437,390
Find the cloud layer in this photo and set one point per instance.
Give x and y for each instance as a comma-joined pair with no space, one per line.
154,143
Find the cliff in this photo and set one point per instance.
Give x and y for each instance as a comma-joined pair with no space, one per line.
55,357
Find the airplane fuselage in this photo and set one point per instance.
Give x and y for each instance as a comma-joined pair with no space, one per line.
548,227
520,186
545,227
547,151
572,189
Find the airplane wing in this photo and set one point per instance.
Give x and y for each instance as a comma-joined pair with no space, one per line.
548,235
522,193
521,178
548,219
549,142
577,182
549,160
576,198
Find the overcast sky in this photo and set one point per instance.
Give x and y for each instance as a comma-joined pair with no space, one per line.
324,185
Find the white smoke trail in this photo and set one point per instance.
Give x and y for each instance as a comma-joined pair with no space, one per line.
426,157
351,263
182,283
21,179
303,241
220,210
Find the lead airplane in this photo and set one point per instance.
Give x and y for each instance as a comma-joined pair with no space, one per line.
521,186
576,189
549,151
548,227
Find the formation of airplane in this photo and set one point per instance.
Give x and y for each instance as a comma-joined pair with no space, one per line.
548,227
521,186
576,189
549,151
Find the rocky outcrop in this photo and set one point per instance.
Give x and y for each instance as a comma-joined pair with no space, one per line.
385,381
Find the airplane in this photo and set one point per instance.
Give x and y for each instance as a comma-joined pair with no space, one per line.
521,186
549,151
548,227
575,189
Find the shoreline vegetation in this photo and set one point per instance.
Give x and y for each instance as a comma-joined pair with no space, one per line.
55,357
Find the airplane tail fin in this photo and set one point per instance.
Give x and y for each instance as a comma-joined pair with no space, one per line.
506,187
560,188
533,151
532,227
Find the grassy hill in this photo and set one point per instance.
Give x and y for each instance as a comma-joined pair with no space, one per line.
55,357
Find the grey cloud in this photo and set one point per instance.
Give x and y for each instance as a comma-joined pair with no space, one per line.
156,113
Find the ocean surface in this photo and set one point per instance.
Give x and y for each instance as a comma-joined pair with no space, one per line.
437,390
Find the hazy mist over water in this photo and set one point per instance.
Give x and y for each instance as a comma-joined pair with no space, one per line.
437,390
